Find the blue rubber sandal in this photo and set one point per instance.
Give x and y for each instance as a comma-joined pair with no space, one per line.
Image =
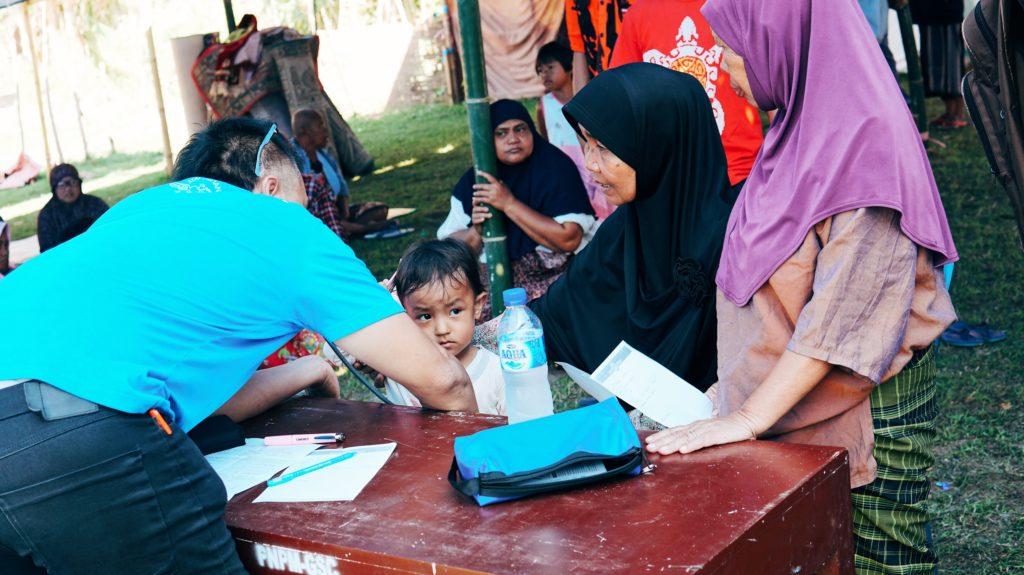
991,334
963,334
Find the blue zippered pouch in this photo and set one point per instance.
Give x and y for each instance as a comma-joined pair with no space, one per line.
550,453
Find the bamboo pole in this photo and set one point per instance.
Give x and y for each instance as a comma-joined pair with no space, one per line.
311,15
450,57
482,139
913,69
49,109
21,124
168,162
81,124
39,89
47,60
229,13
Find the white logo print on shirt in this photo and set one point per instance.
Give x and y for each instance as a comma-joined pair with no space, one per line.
689,58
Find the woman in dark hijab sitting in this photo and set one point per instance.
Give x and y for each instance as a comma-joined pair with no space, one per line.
652,144
69,212
539,190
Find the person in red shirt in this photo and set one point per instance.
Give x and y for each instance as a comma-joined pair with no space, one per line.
673,34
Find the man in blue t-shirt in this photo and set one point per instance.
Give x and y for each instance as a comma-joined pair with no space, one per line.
119,341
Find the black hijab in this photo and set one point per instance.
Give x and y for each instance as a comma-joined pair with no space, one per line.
547,181
648,275
59,221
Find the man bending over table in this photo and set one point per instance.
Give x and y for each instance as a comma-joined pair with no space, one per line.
157,317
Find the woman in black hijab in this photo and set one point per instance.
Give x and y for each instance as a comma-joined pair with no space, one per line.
69,212
647,277
540,192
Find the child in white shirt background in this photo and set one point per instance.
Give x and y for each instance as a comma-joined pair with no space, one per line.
554,66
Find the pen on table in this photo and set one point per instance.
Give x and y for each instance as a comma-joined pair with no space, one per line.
303,439
300,472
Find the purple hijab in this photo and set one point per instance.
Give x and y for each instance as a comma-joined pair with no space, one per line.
842,138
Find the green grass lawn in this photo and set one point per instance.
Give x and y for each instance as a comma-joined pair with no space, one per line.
421,152
980,519
88,169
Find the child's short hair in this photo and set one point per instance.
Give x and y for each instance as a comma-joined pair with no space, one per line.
554,52
432,261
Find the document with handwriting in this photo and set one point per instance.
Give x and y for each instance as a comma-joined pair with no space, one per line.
646,385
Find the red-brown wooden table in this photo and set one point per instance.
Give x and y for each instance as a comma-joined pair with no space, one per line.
754,507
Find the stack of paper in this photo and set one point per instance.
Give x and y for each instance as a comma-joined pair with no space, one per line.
646,385
253,463
341,481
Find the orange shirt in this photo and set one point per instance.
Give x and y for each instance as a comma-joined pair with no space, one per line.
593,27
673,34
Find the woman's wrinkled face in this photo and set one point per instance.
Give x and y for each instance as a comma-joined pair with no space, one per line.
513,142
69,189
732,64
615,178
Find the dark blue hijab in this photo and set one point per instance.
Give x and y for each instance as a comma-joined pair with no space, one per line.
547,181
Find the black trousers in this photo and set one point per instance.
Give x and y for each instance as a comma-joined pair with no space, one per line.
106,492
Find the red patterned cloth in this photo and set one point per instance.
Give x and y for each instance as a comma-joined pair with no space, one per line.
304,343
321,204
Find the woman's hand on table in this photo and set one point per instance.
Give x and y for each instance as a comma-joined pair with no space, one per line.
793,377
494,192
704,433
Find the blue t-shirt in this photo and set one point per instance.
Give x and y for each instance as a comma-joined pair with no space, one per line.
175,295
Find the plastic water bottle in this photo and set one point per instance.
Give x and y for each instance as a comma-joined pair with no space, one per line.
524,363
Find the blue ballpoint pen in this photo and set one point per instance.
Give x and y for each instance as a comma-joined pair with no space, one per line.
300,472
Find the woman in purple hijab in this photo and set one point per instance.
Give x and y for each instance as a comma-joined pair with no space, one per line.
829,294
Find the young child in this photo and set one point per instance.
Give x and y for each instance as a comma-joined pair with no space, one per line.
554,66
438,284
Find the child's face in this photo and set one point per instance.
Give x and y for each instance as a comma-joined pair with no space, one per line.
446,312
553,75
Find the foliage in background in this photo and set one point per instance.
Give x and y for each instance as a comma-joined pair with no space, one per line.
92,19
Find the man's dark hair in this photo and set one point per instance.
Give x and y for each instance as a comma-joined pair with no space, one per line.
448,261
226,151
554,52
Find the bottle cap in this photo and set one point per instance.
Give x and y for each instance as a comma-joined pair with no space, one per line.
514,296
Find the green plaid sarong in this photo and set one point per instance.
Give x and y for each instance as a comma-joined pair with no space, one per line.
890,525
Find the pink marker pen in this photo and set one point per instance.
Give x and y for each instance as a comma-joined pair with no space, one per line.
304,438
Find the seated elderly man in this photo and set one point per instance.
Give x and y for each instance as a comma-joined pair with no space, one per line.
314,159
178,293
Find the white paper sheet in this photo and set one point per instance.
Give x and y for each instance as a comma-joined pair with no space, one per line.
253,463
339,482
589,385
646,385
